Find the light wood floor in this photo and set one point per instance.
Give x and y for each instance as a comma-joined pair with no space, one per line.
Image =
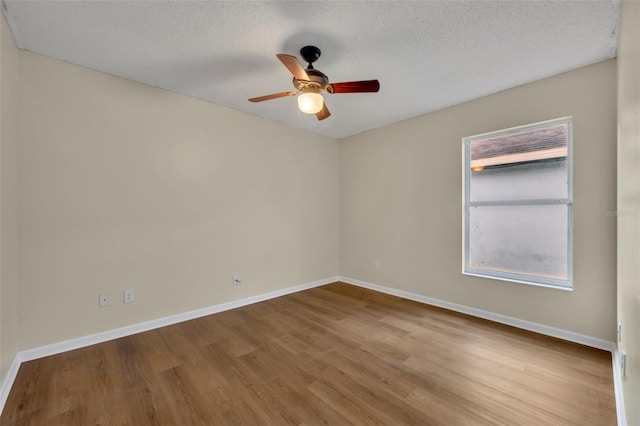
336,354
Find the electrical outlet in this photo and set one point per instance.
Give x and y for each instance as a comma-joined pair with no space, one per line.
376,264
128,296
619,332
103,300
235,280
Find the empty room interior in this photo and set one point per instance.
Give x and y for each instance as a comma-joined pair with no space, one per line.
421,213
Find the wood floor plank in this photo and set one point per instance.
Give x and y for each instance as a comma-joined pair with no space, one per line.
332,355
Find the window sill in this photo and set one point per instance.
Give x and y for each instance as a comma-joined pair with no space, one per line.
517,281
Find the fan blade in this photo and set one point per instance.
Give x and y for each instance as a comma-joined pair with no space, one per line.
292,64
274,96
324,112
354,87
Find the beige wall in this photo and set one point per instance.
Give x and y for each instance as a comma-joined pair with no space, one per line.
125,186
629,203
8,198
401,202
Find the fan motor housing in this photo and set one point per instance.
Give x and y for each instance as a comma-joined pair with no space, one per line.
317,80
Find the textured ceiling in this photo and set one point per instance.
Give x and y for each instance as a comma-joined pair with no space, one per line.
427,55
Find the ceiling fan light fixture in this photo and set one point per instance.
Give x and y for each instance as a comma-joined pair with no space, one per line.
310,102
311,82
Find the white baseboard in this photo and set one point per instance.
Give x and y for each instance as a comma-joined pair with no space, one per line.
92,339
9,379
503,319
617,387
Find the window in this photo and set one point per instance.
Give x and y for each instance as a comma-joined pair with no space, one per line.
518,201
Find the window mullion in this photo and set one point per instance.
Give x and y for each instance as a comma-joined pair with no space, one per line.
533,202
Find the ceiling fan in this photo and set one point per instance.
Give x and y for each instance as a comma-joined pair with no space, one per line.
311,82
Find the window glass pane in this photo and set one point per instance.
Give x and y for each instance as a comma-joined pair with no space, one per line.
532,144
521,181
528,240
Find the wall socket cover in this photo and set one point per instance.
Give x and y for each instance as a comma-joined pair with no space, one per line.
103,300
619,332
128,296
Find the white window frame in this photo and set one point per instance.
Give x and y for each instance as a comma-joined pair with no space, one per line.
467,269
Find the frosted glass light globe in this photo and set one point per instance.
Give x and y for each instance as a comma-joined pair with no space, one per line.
310,102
